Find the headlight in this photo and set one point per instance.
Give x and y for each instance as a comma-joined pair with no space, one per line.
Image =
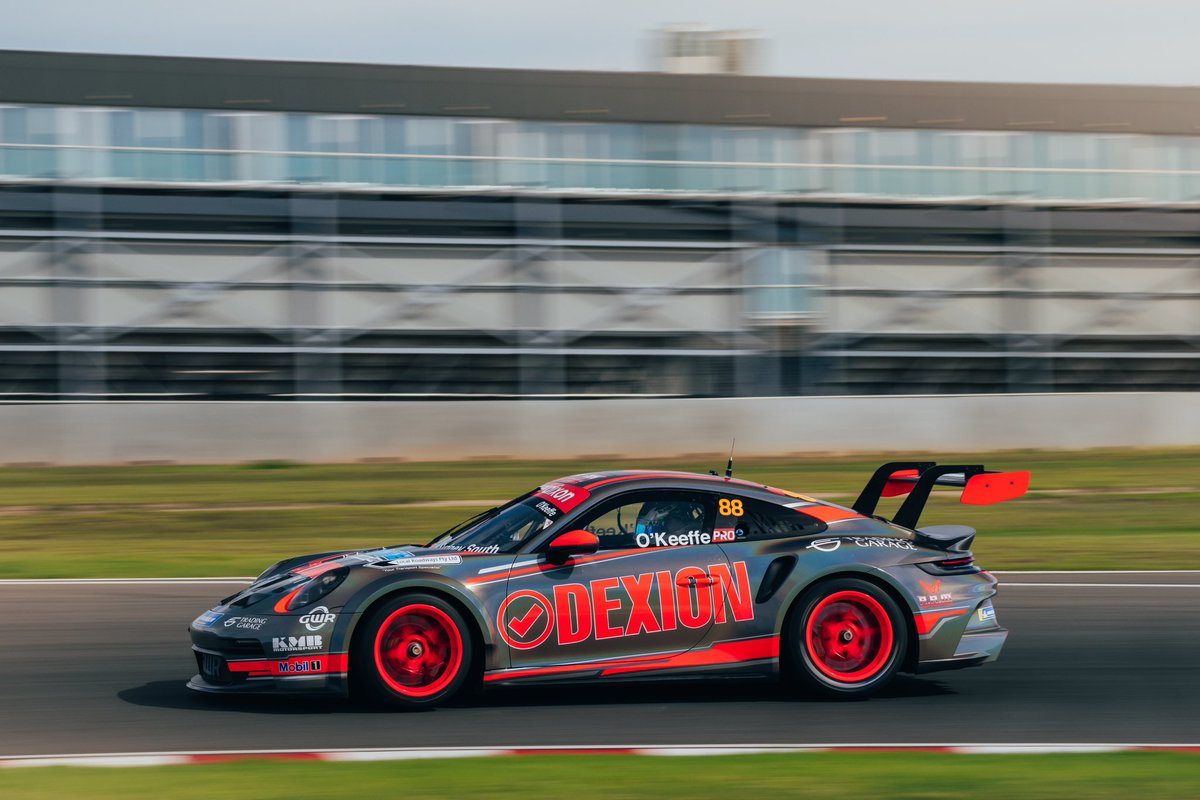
317,588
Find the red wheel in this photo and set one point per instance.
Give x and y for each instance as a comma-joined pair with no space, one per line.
415,651
846,637
849,636
418,650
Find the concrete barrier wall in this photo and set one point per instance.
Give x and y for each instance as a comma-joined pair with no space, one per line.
99,433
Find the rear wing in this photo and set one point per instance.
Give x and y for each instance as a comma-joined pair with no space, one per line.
916,479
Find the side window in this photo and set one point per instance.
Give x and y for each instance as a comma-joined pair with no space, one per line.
763,520
650,519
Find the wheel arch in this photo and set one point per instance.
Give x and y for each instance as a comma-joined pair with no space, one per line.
460,600
877,577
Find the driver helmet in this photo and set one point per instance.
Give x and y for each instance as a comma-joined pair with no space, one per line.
667,516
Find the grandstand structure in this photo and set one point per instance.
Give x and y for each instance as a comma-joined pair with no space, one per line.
252,230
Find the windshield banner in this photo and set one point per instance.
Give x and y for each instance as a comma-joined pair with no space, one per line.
562,496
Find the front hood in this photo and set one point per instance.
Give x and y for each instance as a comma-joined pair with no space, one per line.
406,556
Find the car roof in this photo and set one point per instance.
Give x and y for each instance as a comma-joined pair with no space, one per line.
605,482
591,481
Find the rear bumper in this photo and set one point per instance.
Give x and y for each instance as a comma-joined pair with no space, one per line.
974,648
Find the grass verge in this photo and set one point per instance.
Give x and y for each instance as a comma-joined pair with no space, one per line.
1163,776
1087,510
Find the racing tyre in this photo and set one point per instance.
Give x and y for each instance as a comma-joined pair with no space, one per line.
414,652
846,638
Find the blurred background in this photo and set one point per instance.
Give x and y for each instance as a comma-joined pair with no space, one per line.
212,230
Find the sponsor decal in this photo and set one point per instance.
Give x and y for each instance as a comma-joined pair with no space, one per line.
526,619
724,535
417,562
829,545
987,614
207,619
395,555
296,644
934,596
246,623
483,550
627,605
883,541
317,619
299,665
547,509
562,496
672,540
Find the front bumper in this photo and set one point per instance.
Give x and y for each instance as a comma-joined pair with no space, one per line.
235,659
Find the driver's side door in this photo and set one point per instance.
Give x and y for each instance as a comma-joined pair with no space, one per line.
638,594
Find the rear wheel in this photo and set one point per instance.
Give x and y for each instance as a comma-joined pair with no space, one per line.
414,652
846,638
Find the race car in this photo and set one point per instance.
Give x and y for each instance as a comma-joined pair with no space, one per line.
627,575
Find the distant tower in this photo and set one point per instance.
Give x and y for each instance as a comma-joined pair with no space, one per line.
696,49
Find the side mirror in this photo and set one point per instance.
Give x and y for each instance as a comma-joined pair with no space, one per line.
571,543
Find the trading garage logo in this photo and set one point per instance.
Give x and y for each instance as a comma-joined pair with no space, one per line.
526,620
318,618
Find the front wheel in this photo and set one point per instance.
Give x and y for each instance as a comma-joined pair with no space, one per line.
414,652
847,638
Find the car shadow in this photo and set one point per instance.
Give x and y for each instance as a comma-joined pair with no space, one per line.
175,695
732,690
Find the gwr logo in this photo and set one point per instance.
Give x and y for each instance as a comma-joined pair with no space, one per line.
609,608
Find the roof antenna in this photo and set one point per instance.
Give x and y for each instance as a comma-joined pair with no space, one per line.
729,466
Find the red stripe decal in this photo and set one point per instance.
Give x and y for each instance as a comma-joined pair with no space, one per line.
830,513
720,653
316,664
282,606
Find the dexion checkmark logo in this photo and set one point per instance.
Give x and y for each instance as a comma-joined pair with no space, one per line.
525,620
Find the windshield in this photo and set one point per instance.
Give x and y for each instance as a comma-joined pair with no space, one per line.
499,530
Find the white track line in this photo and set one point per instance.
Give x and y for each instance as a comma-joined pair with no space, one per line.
418,753
119,581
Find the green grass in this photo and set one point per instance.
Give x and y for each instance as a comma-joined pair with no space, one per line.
1087,510
1163,776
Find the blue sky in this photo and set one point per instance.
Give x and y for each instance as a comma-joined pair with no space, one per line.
1101,41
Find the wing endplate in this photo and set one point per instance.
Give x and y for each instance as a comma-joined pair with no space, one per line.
988,488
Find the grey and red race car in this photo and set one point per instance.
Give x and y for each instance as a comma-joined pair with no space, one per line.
627,575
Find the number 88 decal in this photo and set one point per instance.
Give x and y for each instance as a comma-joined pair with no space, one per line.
730,508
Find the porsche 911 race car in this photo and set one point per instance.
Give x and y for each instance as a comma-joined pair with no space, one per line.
627,575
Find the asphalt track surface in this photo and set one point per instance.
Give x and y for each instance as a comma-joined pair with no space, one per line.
1096,658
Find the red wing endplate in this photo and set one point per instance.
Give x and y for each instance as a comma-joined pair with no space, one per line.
995,487
901,482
